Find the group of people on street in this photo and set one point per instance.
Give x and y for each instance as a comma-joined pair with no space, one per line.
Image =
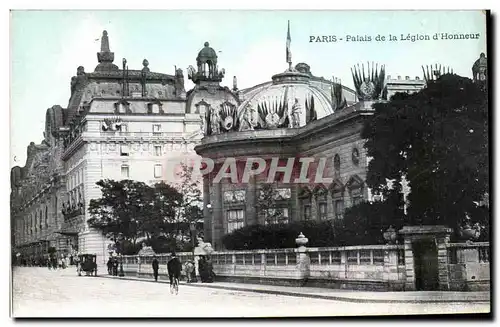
174,268
52,261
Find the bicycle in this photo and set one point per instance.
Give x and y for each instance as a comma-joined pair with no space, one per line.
175,286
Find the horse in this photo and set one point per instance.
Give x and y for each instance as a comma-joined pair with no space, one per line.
188,270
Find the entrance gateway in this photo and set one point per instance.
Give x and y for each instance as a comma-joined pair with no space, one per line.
426,257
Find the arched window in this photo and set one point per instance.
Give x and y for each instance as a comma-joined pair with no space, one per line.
305,203
337,191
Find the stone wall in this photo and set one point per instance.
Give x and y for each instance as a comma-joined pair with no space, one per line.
469,266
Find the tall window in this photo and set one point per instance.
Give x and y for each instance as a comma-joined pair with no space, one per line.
125,171
305,201
338,201
321,199
322,210
235,219
339,208
157,150
156,129
46,217
355,186
307,211
158,172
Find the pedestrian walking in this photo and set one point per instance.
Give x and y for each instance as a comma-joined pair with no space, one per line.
115,266
202,269
110,266
155,268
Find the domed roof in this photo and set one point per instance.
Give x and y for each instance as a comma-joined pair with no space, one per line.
293,91
206,53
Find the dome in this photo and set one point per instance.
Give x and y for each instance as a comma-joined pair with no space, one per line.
290,93
207,53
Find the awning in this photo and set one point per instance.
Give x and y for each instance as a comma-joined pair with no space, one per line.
68,231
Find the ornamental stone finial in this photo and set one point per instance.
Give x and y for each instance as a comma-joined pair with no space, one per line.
105,57
104,42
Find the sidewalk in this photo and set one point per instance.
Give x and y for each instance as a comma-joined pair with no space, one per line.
337,294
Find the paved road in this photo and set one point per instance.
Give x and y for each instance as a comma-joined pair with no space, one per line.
38,292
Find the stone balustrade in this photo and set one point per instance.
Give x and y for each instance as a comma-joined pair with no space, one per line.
366,267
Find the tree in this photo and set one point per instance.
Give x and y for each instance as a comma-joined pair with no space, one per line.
166,201
436,139
189,209
129,210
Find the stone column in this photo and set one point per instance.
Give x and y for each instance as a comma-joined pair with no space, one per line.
217,217
409,266
443,275
251,214
207,212
303,260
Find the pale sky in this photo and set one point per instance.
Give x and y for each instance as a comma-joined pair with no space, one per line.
48,46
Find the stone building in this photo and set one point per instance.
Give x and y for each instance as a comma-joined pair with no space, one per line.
286,132
293,119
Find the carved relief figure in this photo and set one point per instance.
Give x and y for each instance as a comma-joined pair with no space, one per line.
214,120
295,114
203,122
247,121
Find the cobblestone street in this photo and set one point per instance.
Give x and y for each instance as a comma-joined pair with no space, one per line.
39,292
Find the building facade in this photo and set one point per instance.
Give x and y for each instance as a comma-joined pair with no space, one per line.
286,132
119,124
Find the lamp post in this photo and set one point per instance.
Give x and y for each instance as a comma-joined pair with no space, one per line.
192,228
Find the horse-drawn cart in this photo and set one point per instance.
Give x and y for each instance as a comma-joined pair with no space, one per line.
88,264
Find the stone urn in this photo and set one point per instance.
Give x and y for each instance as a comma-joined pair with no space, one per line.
390,235
468,233
301,240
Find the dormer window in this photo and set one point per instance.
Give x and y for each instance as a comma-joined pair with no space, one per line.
155,107
122,107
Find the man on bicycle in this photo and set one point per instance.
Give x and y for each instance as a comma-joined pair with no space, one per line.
174,268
